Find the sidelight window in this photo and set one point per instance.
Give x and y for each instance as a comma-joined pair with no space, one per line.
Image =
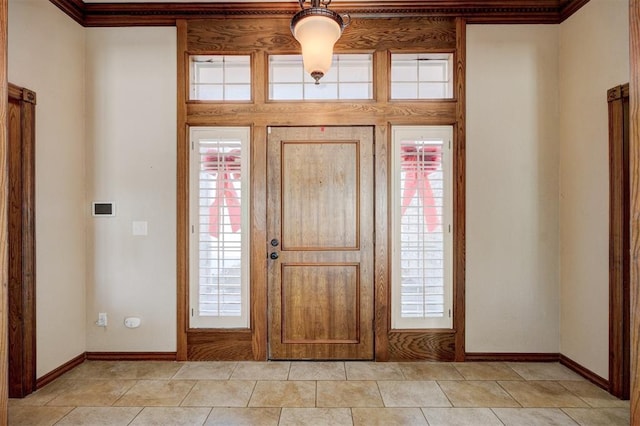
219,192
422,227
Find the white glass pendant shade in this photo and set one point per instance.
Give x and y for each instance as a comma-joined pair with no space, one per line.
317,35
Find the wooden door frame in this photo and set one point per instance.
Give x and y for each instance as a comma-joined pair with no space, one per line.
634,160
22,246
360,345
4,196
236,35
619,222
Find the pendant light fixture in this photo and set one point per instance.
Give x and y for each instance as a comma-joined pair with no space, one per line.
317,29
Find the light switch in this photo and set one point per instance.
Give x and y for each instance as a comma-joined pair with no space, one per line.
139,228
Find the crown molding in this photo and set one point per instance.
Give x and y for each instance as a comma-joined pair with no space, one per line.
571,7
73,8
474,11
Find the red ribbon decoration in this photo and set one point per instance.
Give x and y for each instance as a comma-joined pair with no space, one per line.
418,163
224,167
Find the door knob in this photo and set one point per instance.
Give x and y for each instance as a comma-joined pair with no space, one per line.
274,255
275,242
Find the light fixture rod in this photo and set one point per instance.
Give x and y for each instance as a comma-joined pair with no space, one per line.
315,3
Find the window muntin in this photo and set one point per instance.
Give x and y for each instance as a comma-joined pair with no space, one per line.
219,216
421,75
350,77
220,78
422,227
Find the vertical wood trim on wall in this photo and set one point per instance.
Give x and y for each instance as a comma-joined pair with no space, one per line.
258,210
634,163
182,231
21,233
459,203
618,99
382,243
258,284
3,213
382,183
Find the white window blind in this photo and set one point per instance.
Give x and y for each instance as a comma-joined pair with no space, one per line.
422,234
219,253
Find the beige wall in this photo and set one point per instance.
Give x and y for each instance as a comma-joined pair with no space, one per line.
537,239
131,160
512,189
46,54
594,52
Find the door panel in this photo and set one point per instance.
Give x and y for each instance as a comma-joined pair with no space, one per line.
320,303
320,180
320,227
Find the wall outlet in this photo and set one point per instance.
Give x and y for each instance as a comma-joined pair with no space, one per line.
102,319
132,322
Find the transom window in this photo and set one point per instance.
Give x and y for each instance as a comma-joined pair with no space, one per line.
421,75
350,77
219,200
422,227
220,78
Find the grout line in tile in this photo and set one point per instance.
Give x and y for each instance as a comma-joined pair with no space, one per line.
509,393
207,416
424,415
68,412
233,370
574,394
384,404
177,371
137,414
569,415
496,414
402,371
124,393
187,393
253,389
458,371
444,393
512,369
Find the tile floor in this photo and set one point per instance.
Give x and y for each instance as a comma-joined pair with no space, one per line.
319,393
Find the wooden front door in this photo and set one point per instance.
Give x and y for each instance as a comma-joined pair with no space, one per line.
320,242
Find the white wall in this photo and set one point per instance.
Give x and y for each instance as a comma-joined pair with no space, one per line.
131,160
594,52
46,55
512,189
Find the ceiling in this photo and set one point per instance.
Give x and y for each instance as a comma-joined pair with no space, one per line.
114,13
